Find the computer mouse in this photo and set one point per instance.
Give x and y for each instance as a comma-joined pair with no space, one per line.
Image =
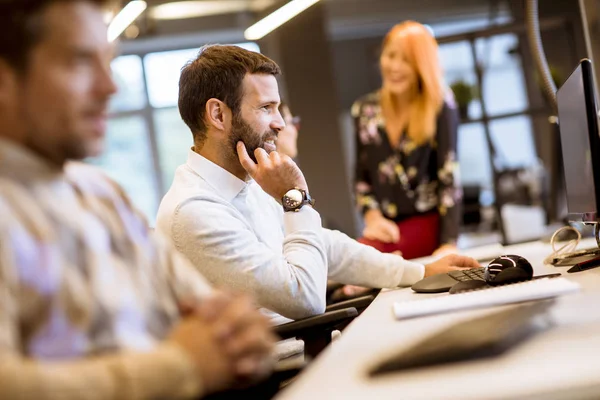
464,286
508,269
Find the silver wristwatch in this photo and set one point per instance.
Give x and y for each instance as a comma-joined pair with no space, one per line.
294,199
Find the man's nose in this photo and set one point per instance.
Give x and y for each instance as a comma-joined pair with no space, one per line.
278,123
105,83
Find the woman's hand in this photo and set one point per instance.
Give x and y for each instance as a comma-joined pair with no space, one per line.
377,227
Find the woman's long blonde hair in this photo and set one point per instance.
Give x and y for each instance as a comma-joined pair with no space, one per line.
422,53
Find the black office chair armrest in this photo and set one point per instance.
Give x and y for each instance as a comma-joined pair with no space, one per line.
316,331
310,325
360,303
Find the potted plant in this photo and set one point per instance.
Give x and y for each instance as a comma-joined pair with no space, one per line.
464,94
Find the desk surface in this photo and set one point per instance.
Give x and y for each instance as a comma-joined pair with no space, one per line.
562,362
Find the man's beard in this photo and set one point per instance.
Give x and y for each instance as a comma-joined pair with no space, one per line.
71,144
66,146
241,131
70,147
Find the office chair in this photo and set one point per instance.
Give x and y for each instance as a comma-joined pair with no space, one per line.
316,331
334,296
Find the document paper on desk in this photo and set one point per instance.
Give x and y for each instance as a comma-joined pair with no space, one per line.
536,289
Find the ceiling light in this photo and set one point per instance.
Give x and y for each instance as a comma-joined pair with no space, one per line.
196,8
128,14
193,9
277,18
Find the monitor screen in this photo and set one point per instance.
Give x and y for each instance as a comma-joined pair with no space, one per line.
575,103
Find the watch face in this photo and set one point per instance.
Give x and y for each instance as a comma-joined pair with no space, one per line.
293,198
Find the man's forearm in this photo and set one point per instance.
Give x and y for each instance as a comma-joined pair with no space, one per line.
165,372
353,263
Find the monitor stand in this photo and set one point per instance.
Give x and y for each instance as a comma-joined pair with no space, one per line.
578,256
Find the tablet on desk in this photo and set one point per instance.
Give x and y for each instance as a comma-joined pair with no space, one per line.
482,337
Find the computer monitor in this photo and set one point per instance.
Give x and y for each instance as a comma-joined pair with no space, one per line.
580,142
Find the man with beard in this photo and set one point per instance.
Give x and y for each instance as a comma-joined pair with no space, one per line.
223,212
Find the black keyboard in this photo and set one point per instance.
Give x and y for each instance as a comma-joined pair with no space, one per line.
443,282
468,274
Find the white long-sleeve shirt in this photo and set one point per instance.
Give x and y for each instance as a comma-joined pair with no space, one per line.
238,237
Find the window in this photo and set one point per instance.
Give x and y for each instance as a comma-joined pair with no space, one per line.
505,117
454,27
513,140
128,160
174,141
162,75
503,80
128,75
504,93
473,156
458,64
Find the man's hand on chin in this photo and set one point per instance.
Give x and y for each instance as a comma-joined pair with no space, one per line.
275,173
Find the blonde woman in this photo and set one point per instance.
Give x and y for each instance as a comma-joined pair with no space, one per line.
405,182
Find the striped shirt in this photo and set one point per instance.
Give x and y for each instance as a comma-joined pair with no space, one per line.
87,292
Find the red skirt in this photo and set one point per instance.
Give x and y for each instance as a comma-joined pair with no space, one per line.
419,237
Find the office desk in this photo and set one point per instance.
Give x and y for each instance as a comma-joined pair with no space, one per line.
560,363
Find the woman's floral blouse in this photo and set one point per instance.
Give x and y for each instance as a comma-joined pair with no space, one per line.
408,179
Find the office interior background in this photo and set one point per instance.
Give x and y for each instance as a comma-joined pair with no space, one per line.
508,144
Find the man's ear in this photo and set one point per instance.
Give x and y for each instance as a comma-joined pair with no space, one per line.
217,114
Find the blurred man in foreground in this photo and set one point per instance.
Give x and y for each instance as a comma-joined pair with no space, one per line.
91,305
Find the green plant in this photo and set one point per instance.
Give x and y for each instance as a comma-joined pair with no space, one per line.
463,94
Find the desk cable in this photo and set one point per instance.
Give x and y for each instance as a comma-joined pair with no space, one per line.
567,250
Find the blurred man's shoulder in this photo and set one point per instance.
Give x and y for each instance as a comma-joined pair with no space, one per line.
91,179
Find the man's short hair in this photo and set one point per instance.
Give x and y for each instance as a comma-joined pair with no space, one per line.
21,27
217,73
